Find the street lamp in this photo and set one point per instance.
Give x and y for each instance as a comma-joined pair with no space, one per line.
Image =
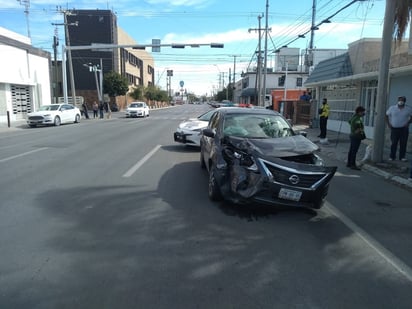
95,69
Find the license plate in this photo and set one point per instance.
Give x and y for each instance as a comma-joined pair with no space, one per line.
289,194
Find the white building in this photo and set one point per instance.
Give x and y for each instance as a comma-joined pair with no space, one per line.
24,76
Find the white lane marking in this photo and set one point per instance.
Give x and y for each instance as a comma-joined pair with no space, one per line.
388,256
135,167
22,154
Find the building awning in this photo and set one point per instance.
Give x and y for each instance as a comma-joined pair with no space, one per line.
333,68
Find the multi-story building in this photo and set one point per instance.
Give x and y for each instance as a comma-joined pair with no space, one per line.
100,27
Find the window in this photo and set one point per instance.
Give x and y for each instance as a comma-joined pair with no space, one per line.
281,81
299,82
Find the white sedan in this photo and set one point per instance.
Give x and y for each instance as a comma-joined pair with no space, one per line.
54,114
137,109
189,131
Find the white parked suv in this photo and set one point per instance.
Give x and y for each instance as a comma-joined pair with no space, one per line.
54,114
137,109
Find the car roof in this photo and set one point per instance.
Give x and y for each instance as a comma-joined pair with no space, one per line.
243,110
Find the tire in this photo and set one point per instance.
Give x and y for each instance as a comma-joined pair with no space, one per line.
214,190
32,125
202,161
57,121
77,118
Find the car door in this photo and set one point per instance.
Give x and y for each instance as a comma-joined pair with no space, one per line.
208,144
64,112
69,113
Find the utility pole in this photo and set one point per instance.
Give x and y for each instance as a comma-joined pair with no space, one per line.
69,56
56,68
26,12
265,65
258,86
234,70
312,31
383,82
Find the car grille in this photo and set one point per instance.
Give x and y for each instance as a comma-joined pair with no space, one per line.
36,118
294,178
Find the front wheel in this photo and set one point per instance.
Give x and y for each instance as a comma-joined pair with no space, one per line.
77,118
202,160
57,121
214,190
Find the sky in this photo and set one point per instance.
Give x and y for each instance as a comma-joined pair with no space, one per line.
233,23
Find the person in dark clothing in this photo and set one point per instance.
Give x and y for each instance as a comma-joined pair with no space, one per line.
85,111
323,122
357,134
101,110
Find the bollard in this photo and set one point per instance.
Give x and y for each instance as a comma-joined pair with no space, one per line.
8,119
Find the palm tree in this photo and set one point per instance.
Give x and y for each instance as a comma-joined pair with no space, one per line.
403,9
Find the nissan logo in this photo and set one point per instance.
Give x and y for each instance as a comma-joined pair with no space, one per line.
294,179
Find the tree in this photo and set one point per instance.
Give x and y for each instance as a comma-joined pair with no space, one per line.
403,9
397,17
114,84
137,92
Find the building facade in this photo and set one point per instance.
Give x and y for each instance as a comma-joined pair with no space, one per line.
24,76
100,27
351,80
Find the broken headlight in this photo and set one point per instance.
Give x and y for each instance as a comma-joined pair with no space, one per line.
243,159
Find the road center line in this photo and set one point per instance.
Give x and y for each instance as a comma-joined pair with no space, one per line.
22,154
388,256
134,168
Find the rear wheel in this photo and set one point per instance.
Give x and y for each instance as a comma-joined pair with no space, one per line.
57,121
214,190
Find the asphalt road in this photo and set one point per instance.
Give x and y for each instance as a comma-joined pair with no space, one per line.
114,214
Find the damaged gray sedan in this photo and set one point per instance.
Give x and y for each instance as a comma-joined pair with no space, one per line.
253,155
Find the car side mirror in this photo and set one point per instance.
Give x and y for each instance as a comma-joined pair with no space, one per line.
208,132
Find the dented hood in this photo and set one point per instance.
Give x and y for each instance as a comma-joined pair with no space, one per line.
276,147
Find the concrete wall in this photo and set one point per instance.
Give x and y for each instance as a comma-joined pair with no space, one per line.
22,65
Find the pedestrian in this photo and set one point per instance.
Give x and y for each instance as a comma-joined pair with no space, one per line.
305,97
101,110
324,114
85,112
398,118
357,134
95,109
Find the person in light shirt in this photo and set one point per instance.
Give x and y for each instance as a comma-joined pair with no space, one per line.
398,118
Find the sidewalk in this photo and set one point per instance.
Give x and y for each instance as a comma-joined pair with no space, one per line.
338,147
14,125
